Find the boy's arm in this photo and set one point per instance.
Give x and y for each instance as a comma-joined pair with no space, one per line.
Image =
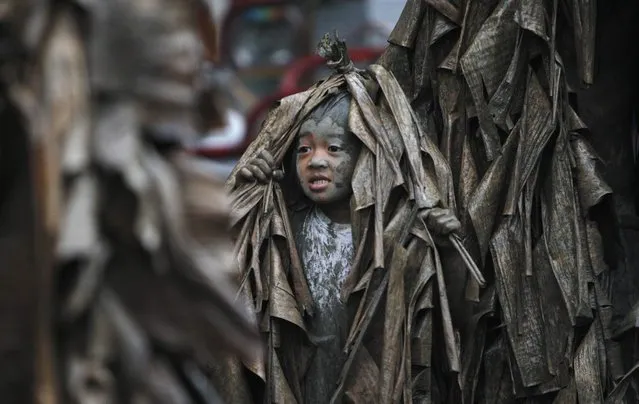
259,168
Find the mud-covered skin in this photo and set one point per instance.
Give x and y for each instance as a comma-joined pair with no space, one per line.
326,249
326,155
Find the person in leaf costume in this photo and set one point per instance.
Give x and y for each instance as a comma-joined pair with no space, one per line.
338,252
117,278
492,81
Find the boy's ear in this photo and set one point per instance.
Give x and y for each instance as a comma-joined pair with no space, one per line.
356,139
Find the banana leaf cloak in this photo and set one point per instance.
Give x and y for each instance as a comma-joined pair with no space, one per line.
398,172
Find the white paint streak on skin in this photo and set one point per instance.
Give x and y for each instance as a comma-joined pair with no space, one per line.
327,252
327,255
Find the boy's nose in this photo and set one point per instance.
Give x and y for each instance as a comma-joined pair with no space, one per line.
318,162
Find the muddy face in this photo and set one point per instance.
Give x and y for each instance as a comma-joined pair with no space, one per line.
326,155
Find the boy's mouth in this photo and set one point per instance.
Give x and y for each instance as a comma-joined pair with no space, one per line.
318,183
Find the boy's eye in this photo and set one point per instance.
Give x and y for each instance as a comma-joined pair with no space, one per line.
303,149
334,149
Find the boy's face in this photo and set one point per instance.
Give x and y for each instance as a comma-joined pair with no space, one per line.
326,155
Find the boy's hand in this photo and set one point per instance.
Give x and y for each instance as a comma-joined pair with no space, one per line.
440,221
260,168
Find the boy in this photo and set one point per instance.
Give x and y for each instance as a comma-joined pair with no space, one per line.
325,154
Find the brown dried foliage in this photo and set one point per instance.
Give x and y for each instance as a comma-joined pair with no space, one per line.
488,80
117,274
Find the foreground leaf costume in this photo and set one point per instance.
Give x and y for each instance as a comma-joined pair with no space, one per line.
399,171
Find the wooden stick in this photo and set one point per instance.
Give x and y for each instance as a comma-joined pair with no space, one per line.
468,260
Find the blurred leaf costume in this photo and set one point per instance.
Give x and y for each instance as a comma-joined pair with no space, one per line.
116,278
390,355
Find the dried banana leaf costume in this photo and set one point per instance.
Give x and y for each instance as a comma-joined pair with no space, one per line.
490,78
390,359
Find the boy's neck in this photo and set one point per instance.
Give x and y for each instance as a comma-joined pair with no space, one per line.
338,212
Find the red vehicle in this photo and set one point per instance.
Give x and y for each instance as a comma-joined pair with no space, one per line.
261,38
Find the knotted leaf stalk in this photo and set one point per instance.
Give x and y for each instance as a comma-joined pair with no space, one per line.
335,52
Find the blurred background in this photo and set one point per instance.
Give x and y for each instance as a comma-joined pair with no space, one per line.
268,52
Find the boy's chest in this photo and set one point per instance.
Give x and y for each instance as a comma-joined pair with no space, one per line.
326,250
